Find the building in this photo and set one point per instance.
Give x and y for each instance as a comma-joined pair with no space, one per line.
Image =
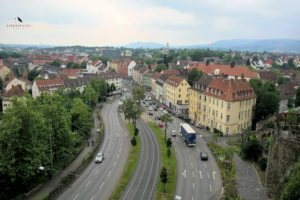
48,86
4,71
72,83
267,76
47,75
287,73
124,67
16,90
135,72
160,90
18,71
141,74
114,64
84,81
153,82
112,54
177,94
112,78
285,95
23,82
147,79
182,64
71,73
225,104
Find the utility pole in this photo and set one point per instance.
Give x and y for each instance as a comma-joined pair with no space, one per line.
268,160
50,147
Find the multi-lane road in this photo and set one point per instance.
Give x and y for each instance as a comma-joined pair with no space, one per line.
98,181
142,184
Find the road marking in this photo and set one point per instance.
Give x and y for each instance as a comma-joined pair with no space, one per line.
205,165
190,156
176,150
120,149
184,173
187,150
193,185
192,198
88,183
96,171
109,149
177,157
108,173
214,174
200,174
118,156
208,174
125,133
121,143
92,197
192,164
76,196
193,174
198,149
210,187
101,185
177,139
114,164
108,137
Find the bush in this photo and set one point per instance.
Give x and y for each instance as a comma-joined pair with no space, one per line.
65,179
262,162
218,131
44,197
252,150
87,156
271,124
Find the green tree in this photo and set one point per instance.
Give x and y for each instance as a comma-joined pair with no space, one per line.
197,55
136,132
158,55
55,63
69,65
17,72
237,57
138,93
161,67
168,154
33,74
248,62
291,102
252,150
297,102
104,59
89,95
75,66
228,152
133,142
194,75
93,57
166,118
83,65
169,143
291,63
127,107
227,58
113,87
255,58
38,78
102,88
108,88
292,192
1,83
165,60
292,118
164,177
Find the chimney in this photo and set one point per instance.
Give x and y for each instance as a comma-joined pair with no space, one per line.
207,62
232,64
226,76
243,77
222,75
231,81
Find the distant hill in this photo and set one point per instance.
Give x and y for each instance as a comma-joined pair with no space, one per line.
151,45
27,45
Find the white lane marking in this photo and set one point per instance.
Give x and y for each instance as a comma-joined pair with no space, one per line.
96,171
114,164
200,174
101,185
190,156
108,173
198,149
193,185
207,174
120,149
214,174
121,143
125,133
192,198
192,164
177,139
92,198
76,196
184,173
187,150
118,156
210,187
88,183
193,174
205,165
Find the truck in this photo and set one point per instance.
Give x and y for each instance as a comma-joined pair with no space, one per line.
188,134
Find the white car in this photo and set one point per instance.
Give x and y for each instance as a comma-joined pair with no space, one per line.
161,109
150,109
173,133
99,158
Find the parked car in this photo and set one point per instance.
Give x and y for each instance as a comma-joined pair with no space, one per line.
203,156
169,111
146,99
197,125
177,115
144,102
158,117
147,105
150,113
150,103
155,109
161,109
153,103
99,158
173,133
187,120
180,117
150,109
157,106
192,122
160,124
164,107
164,112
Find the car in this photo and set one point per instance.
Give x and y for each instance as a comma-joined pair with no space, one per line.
192,122
144,102
146,99
186,119
160,124
165,112
158,117
150,109
147,105
155,109
169,111
149,98
150,103
181,117
121,99
203,156
157,106
99,158
153,103
150,113
164,107
161,109
197,125
173,133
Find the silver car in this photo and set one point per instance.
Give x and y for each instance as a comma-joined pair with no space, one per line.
99,158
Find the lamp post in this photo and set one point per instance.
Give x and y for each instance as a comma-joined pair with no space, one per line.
50,146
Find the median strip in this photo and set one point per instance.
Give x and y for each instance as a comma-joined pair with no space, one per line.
171,168
129,168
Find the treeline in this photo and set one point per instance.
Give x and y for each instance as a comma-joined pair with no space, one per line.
4,55
26,129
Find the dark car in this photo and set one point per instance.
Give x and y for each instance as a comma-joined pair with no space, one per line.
150,103
169,111
153,103
187,120
144,102
158,117
203,156
150,113
157,106
180,117
155,109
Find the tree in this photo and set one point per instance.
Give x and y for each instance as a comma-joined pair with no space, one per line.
164,177
285,66
75,66
228,152
291,103
252,149
166,118
294,74
38,78
6,78
292,118
33,74
17,72
138,93
55,63
108,87
127,107
133,142
297,102
83,65
104,59
113,87
1,83
237,57
89,95
197,55
136,131
255,58
292,192
158,55
291,63
168,154
160,67
93,57
69,65
169,143
227,58
194,75
165,60
248,62
149,67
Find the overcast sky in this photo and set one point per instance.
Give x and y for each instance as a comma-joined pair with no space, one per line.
120,22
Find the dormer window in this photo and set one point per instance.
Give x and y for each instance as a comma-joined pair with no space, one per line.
252,92
248,93
215,92
207,90
219,93
242,94
212,91
202,87
196,86
236,95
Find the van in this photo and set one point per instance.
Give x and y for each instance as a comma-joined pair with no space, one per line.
149,98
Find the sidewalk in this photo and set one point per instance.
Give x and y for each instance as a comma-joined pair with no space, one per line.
53,183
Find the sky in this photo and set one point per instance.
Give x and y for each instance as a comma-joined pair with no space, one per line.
120,22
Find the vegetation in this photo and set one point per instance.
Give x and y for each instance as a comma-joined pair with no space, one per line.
129,168
169,187
133,142
87,156
194,75
252,150
297,102
44,197
55,63
160,67
166,118
33,74
131,109
164,177
138,93
5,54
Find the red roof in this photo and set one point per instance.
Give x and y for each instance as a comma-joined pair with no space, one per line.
1,61
49,84
14,91
170,72
71,72
286,59
268,61
156,76
25,80
2,66
287,71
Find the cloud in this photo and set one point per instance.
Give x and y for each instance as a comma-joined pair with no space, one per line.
101,23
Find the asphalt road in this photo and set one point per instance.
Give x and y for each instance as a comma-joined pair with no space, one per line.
196,179
142,184
98,181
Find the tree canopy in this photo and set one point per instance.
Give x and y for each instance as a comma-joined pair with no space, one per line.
160,67
194,75
33,74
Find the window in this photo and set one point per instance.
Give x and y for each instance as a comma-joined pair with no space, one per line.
219,93
229,106
205,98
204,108
216,125
253,102
179,90
252,92
215,92
209,99
228,118
248,112
245,114
245,125
186,101
213,112
204,119
212,91
208,121
221,115
240,104
238,127
239,115
242,114
199,107
227,131
185,84
217,102
246,102
213,100
220,128
181,84
179,96
216,113
200,96
5,105
207,90
222,104
202,87
236,95
199,119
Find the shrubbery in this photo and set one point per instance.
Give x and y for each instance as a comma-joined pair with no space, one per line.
252,150
65,179
262,162
44,197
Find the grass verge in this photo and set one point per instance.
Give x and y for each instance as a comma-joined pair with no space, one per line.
129,168
168,163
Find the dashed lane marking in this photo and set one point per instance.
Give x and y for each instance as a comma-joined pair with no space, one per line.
88,183
101,185
200,174
190,156
76,196
198,149
192,164
207,174
210,187
92,198
205,165
108,173
96,171
114,164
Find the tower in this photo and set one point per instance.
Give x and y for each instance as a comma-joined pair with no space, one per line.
167,46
